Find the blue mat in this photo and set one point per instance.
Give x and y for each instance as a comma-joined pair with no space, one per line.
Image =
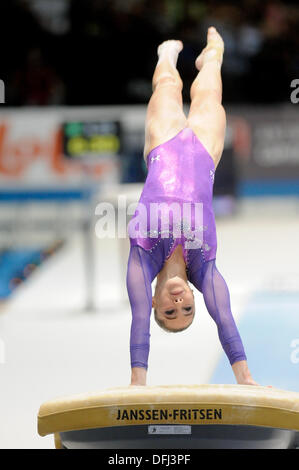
13,264
267,327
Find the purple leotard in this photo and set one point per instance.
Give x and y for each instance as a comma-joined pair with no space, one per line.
180,171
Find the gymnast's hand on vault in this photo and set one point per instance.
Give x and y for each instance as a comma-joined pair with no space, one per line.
248,381
242,373
138,376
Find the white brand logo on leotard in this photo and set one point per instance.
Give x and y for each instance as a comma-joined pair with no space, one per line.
212,175
155,158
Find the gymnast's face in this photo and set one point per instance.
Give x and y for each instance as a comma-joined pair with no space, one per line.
174,303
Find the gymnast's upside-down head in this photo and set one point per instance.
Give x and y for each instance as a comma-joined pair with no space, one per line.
173,304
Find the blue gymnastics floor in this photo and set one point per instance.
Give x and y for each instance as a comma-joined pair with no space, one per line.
268,326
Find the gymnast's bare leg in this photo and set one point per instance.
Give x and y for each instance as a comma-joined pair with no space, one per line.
207,115
165,116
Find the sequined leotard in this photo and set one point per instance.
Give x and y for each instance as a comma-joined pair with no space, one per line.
180,176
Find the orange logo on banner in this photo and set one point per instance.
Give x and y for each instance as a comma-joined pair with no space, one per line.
17,157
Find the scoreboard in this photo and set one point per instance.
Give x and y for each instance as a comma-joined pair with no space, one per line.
90,140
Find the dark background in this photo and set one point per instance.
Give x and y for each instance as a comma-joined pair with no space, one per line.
95,52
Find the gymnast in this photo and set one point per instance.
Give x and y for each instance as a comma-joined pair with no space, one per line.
181,154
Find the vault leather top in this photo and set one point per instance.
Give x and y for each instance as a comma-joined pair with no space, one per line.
236,404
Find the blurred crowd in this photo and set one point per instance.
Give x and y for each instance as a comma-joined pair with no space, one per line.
93,52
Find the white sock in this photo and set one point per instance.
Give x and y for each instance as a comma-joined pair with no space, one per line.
168,53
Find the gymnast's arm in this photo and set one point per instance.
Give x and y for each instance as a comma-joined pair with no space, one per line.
217,300
140,273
